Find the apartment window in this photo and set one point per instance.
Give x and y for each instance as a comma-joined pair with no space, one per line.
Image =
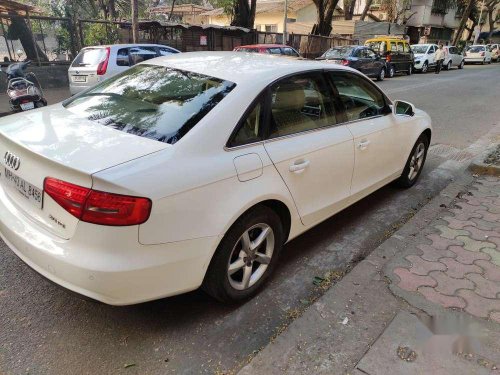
271,28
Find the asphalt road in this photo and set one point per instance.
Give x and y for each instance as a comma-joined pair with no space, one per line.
47,330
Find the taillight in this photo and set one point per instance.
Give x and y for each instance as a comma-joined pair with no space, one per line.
345,62
98,207
103,65
388,58
482,53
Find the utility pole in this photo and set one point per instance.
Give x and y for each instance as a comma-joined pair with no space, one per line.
135,21
284,21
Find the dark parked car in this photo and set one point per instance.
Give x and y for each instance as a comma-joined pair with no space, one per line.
358,57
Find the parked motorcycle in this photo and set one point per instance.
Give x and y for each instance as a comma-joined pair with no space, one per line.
23,88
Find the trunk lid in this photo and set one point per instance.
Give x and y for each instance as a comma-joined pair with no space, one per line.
53,141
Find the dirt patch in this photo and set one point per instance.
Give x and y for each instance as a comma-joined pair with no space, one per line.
493,157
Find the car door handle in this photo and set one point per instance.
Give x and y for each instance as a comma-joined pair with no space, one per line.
363,145
299,166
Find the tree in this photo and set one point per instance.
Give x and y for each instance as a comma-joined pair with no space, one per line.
135,21
349,6
463,21
244,13
324,16
490,8
366,9
18,29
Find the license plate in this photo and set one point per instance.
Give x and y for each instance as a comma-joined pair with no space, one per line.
27,106
79,78
33,194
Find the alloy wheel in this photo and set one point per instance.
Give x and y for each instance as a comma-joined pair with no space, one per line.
251,256
424,67
449,65
417,160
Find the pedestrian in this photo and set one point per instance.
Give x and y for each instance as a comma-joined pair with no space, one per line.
439,58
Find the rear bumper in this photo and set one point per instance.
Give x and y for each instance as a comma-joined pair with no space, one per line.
107,263
474,59
75,89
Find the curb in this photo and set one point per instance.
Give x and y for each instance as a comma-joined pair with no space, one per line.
478,165
318,341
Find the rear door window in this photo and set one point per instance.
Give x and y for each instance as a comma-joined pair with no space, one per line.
300,103
275,51
140,54
122,58
151,101
165,51
89,57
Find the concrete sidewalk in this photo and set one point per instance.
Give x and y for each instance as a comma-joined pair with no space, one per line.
426,301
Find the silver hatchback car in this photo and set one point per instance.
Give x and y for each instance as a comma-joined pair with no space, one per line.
95,64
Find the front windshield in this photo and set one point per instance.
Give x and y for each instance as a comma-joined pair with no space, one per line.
337,52
379,46
419,48
151,101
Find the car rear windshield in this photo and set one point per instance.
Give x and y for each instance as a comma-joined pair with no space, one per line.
475,49
151,101
89,57
378,46
337,52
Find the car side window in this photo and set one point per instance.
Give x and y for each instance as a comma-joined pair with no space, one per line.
288,51
299,103
122,57
369,54
164,51
275,51
359,53
360,98
140,54
250,129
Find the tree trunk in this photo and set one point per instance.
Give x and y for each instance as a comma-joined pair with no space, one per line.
324,10
349,6
470,32
135,21
463,22
112,9
491,21
244,13
367,8
18,29
171,11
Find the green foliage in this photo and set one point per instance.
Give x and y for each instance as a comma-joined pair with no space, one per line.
226,5
63,40
98,34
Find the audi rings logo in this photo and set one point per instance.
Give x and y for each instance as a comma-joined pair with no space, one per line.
12,160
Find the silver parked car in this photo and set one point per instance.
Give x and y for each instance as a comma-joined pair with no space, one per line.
453,57
95,64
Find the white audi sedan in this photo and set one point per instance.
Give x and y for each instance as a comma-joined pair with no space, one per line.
194,169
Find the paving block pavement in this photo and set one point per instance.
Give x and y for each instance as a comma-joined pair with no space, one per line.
458,264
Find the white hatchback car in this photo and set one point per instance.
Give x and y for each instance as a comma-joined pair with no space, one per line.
453,57
194,169
478,54
425,56
95,64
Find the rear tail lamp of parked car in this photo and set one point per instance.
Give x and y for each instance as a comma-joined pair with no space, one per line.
345,62
103,65
98,207
482,53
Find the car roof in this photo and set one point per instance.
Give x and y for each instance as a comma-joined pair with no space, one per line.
240,67
264,46
124,45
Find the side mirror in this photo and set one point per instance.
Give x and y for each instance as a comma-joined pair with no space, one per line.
400,108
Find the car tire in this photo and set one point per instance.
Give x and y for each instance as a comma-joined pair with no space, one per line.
448,66
410,70
489,62
483,62
392,71
410,175
425,67
381,75
461,65
226,287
